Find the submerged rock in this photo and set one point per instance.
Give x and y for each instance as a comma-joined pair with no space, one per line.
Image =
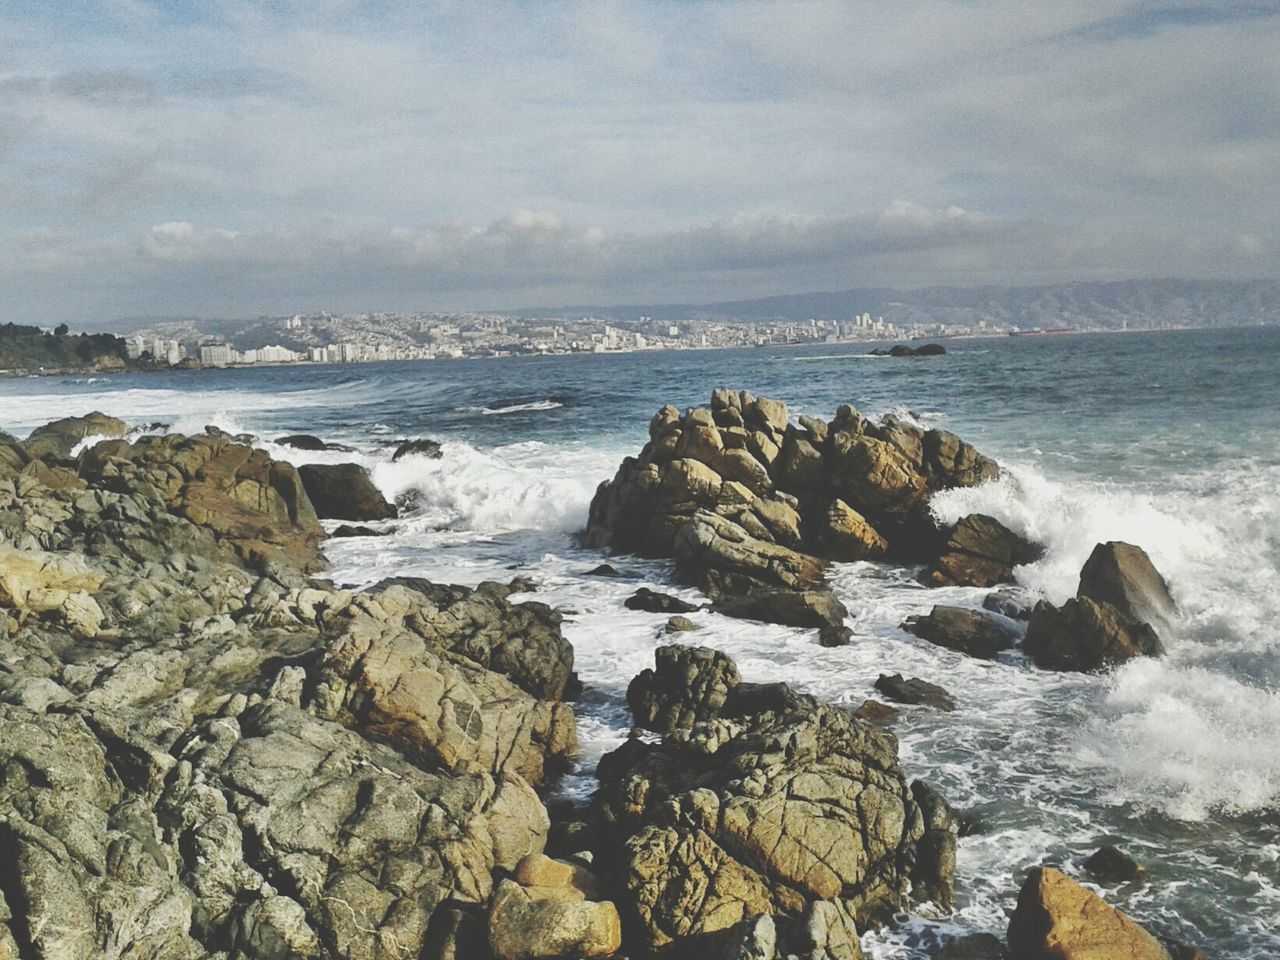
431,449
650,601
305,441
1110,864
915,691
1057,919
972,632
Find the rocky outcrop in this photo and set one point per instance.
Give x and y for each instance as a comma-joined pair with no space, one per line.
431,449
205,753
551,909
979,551
344,491
1085,636
255,505
1057,919
1122,575
971,632
906,350
776,804
306,441
914,691
57,439
747,501
1103,625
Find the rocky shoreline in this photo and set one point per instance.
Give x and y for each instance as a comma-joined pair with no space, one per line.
207,751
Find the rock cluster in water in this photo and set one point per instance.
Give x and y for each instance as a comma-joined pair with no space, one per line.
751,506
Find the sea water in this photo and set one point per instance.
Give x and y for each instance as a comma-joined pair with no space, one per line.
1166,440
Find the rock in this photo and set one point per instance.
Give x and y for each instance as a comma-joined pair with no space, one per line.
651,601
903,350
873,711
1012,602
39,584
979,551
688,684
914,691
1086,636
255,505
967,631
456,933
346,530
712,551
848,536
58,438
274,928
604,570
305,441
431,449
816,607
1057,919
679,624
1111,865
777,804
344,491
531,924
975,946
1122,575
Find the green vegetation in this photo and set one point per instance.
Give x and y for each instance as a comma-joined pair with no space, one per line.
30,348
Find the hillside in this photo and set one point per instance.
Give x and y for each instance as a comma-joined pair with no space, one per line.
25,348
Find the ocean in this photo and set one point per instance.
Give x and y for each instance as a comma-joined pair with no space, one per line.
1165,440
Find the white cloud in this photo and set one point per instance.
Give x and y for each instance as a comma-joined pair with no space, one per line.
595,150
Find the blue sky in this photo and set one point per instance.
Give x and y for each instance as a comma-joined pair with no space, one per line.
232,159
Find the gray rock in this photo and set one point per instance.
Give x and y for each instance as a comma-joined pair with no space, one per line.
971,632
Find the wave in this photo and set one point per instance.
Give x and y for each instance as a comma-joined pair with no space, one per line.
514,487
513,408
1194,731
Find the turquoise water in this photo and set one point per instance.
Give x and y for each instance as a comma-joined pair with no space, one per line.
1167,440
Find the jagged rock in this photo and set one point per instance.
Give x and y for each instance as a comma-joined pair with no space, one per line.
344,491
1122,575
305,441
778,803
60,586
1085,635
540,923
431,449
1057,919
392,675
816,607
58,438
848,536
688,684
712,551
914,691
679,624
254,504
1110,864
650,601
971,632
979,551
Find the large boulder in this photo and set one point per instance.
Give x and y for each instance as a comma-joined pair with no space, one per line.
344,491
1057,919
1122,575
58,438
551,922
1085,635
979,551
776,805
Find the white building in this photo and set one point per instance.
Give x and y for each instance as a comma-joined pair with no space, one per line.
215,355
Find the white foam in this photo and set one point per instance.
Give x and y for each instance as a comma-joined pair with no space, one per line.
527,485
513,408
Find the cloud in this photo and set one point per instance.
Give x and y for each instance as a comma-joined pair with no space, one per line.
392,155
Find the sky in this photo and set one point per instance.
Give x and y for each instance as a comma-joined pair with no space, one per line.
229,159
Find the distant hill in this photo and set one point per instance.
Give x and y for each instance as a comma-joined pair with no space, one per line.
31,349
1107,304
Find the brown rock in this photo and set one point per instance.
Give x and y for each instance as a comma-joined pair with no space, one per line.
979,551
1057,919
847,536
529,924
1084,635
1123,575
